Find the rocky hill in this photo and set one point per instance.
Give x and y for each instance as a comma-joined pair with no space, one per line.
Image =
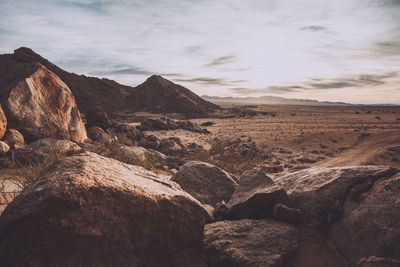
155,95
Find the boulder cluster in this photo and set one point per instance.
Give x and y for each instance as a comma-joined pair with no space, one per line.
88,210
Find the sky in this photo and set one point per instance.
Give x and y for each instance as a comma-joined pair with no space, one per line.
343,50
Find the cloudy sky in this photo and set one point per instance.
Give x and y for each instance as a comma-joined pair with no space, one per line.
343,50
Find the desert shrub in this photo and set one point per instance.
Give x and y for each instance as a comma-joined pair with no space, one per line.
26,173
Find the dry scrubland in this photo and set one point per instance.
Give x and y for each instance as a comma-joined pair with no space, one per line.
328,136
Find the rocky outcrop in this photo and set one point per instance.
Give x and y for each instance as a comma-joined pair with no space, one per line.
98,134
246,243
88,210
320,192
254,197
206,182
371,223
156,95
3,123
14,138
41,105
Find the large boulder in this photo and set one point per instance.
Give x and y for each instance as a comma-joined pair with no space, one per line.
3,123
371,223
88,210
254,197
140,153
42,105
14,138
205,182
245,243
320,192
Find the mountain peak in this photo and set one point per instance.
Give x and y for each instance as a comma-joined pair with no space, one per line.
157,79
25,54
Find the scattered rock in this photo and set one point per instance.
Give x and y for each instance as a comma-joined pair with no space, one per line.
130,131
98,134
171,146
320,192
14,138
395,148
4,148
3,123
206,182
254,197
371,222
246,243
95,211
150,141
42,105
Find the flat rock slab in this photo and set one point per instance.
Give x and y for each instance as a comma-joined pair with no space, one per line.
245,243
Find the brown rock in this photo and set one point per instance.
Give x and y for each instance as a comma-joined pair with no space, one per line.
170,146
97,117
42,105
3,123
88,210
14,138
254,197
205,182
371,223
98,134
320,192
245,243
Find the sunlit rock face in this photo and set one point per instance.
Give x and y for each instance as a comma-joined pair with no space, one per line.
42,105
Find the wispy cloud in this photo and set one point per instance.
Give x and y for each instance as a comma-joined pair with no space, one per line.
222,60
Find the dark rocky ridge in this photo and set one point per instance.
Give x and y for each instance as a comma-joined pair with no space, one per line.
155,95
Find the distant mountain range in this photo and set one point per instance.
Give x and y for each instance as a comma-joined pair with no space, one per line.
268,100
155,95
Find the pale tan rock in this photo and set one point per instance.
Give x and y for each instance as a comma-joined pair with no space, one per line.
42,105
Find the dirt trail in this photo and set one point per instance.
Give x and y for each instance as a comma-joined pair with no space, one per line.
366,150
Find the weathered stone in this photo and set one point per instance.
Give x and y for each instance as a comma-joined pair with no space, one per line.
205,182
42,105
245,243
14,138
98,134
371,222
254,197
320,192
4,148
88,210
3,123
